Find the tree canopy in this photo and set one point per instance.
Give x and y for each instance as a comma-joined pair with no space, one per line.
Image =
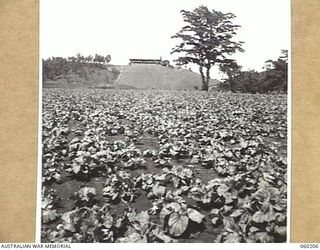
274,78
206,40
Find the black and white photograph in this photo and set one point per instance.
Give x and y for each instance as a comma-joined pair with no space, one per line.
164,121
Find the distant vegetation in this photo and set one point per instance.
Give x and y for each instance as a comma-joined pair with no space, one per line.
56,66
274,78
79,71
95,71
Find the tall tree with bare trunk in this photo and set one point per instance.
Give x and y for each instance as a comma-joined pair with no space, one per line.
206,40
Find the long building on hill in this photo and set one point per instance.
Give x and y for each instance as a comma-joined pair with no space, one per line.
150,61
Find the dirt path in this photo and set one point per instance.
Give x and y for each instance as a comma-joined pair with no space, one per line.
119,76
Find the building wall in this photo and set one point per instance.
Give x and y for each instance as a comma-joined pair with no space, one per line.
153,62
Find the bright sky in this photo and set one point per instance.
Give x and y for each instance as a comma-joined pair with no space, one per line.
142,28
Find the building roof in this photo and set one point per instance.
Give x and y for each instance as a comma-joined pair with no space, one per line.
156,60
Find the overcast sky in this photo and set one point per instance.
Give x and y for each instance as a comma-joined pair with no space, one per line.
142,28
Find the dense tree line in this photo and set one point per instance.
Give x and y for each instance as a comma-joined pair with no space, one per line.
55,66
274,78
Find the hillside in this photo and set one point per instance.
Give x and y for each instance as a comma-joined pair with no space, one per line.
158,77
84,75
126,77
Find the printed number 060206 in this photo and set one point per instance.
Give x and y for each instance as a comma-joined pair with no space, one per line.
309,245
